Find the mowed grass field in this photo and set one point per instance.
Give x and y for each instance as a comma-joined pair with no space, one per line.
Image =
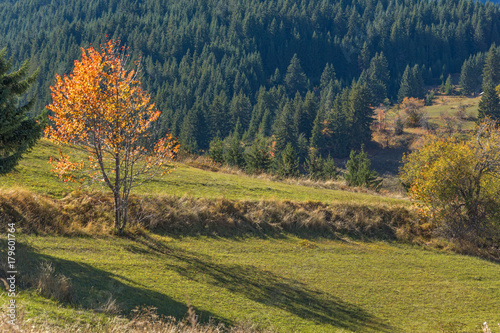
287,283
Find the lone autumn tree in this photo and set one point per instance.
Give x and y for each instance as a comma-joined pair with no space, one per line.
455,182
102,109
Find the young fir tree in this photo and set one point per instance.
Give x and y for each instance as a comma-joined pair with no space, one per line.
359,171
216,150
405,89
234,154
288,164
284,128
361,115
448,87
327,77
258,158
330,170
314,165
489,105
18,134
470,80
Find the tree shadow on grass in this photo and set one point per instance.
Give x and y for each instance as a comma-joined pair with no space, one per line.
276,291
92,287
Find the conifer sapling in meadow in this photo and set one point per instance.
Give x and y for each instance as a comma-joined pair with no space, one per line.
102,109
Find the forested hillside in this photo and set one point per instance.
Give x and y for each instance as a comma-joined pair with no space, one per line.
307,72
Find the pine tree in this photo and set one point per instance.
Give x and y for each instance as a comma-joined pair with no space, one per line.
448,87
315,165
258,158
219,111
288,165
234,154
327,77
468,76
329,169
190,129
417,84
378,78
216,151
241,109
295,79
489,105
361,115
18,133
491,70
359,171
284,128
405,89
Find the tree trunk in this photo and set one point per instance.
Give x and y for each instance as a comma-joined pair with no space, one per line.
118,212
121,210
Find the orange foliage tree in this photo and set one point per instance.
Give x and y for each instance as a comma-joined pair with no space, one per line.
102,109
413,109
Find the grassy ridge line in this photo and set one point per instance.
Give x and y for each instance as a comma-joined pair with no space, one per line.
92,214
34,174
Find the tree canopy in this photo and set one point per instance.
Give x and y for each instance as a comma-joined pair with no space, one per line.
18,133
102,108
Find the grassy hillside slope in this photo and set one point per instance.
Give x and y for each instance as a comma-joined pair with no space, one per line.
34,174
285,283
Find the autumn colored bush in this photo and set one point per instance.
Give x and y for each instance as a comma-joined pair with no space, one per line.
455,183
413,110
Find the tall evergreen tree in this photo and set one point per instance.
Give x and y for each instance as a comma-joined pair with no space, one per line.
295,79
284,128
491,70
327,77
405,88
258,158
378,78
489,105
360,114
219,115
18,133
417,84
470,80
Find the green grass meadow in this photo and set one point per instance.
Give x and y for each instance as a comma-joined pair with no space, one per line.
287,284
284,282
33,173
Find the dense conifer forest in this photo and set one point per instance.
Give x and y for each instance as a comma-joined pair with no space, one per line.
263,73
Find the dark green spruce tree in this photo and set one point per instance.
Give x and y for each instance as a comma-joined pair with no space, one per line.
18,133
489,105
405,89
491,70
288,163
295,79
359,172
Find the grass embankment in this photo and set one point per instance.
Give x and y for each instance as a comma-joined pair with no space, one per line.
285,283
